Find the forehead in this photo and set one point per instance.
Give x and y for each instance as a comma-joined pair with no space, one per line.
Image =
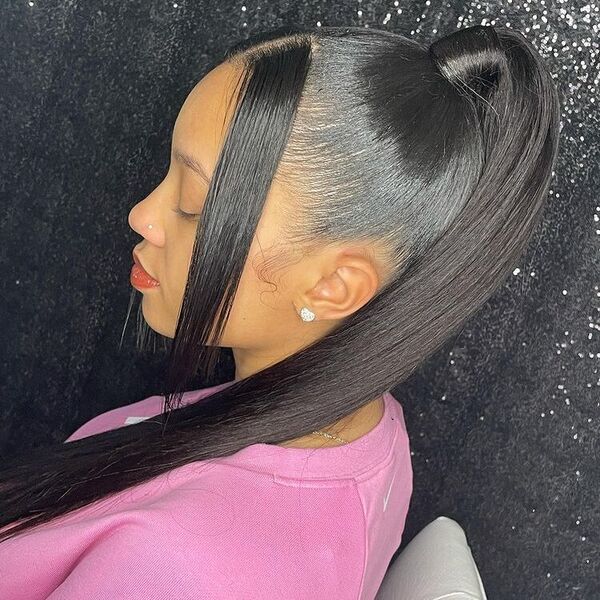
203,119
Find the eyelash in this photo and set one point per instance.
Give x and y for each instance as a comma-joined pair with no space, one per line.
187,216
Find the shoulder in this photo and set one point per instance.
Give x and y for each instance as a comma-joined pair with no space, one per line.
225,536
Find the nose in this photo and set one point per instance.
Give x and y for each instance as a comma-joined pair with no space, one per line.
132,218
147,212
140,217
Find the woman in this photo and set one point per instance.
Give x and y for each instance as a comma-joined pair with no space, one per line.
385,189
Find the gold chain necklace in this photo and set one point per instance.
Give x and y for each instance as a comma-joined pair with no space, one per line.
328,435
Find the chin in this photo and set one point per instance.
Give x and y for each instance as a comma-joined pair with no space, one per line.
157,325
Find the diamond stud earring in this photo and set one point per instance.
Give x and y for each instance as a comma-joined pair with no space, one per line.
306,314
149,226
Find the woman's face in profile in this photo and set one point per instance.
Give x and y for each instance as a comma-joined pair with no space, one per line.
265,322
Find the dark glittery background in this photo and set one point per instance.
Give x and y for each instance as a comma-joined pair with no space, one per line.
504,422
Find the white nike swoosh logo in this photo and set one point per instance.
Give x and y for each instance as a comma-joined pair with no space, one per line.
134,420
385,500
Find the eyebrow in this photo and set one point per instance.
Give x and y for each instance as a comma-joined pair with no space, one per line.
191,162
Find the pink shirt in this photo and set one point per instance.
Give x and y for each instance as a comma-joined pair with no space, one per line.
266,522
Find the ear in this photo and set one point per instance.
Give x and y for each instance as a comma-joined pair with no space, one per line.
349,281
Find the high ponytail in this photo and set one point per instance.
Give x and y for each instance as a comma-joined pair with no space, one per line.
501,77
470,59
444,154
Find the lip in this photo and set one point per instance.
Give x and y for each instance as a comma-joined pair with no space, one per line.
139,276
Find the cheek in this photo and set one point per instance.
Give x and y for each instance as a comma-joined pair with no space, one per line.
252,313
176,271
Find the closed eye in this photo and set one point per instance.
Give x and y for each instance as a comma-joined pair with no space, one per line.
188,216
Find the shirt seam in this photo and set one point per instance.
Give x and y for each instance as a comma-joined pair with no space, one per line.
365,533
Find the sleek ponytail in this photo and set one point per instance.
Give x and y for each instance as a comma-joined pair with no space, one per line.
444,154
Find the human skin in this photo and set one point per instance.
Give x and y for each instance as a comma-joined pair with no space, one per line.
264,326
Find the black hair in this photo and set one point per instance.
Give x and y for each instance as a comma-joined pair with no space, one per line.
450,148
